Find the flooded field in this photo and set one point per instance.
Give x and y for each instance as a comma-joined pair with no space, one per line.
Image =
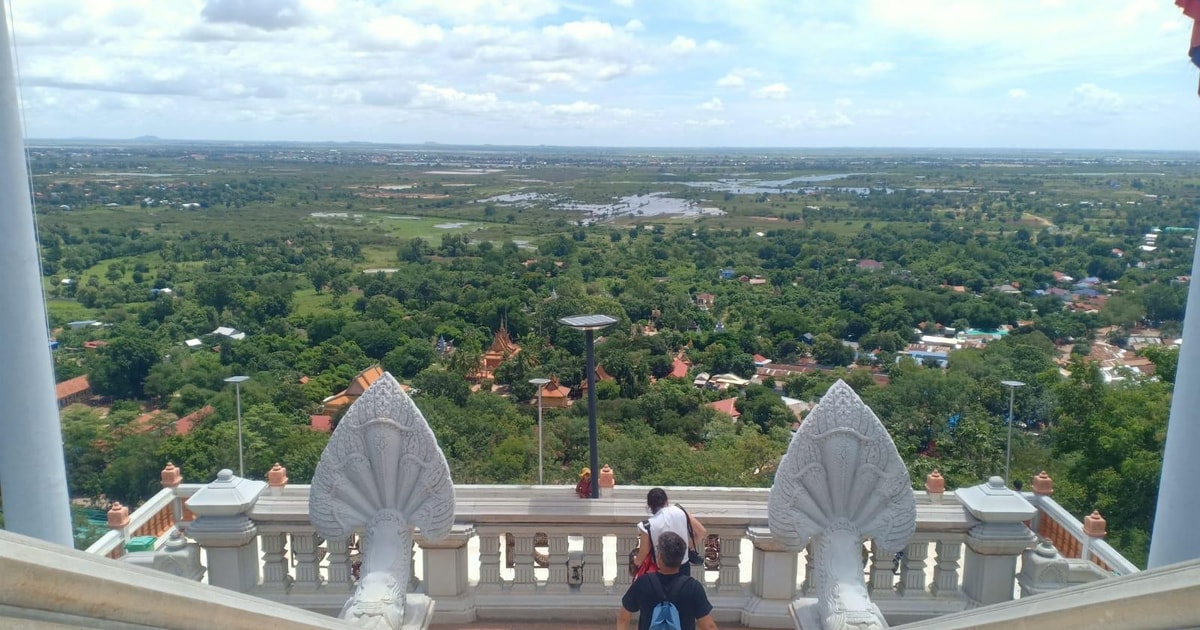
652,204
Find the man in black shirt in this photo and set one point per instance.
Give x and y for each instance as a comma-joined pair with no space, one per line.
695,612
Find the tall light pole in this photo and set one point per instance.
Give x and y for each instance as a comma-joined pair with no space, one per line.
540,382
237,384
1012,389
589,324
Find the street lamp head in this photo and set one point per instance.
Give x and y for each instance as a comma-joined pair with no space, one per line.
538,381
237,379
588,322
1012,383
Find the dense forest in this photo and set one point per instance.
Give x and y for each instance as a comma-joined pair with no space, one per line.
328,270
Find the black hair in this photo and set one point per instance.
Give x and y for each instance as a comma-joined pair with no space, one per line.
656,499
671,550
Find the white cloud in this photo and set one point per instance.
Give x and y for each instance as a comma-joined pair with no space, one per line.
774,91
707,122
681,45
1093,98
623,3
812,119
396,32
574,109
405,70
268,15
731,81
478,11
872,70
736,78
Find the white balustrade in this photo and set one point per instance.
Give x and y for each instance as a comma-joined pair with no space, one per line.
300,568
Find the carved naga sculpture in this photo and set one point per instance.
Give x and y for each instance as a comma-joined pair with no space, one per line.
383,473
842,482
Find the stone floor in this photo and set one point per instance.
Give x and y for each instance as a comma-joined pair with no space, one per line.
523,625
543,625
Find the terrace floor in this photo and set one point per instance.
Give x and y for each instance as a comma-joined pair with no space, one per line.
546,625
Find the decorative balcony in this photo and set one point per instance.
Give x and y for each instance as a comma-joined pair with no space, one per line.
539,553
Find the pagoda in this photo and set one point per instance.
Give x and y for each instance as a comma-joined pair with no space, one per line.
501,350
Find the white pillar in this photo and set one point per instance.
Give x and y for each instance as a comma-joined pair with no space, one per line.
446,574
1175,519
224,530
32,470
994,544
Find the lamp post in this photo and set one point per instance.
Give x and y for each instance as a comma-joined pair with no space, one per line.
540,382
1012,389
589,324
237,383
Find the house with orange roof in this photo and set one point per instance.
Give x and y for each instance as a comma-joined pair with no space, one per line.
76,390
727,406
342,400
184,425
679,369
321,423
554,395
601,376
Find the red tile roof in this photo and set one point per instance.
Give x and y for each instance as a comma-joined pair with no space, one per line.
554,390
184,425
679,369
726,407
321,423
68,388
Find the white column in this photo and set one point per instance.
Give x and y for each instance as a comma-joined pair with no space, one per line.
772,582
225,532
32,470
446,575
993,546
1174,538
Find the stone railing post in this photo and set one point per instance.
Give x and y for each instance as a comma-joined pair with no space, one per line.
225,531
179,557
1043,570
935,487
277,479
995,543
607,482
772,582
1043,486
118,521
1094,528
446,570
171,477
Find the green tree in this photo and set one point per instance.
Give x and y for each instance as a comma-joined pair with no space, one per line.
437,381
120,368
408,358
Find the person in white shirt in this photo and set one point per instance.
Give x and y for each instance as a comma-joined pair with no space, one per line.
665,517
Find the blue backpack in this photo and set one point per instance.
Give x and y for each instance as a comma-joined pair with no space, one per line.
666,616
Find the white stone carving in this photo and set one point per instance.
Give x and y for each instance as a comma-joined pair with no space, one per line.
840,483
382,473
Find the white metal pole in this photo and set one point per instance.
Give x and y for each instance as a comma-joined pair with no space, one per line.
32,470
1175,518
241,461
1008,450
541,479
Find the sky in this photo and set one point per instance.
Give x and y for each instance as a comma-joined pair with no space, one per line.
1094,74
